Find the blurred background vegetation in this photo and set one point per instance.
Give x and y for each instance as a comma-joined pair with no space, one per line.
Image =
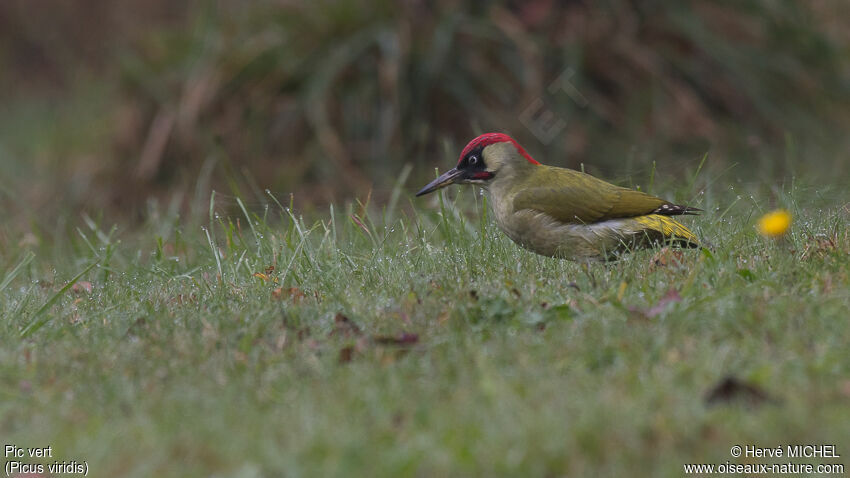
118,105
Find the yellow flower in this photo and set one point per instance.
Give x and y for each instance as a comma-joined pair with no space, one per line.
775,223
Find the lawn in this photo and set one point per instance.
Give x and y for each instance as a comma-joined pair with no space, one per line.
413,339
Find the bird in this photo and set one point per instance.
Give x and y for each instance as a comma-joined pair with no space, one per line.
560,212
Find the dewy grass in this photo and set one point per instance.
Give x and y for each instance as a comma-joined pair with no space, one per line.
425,343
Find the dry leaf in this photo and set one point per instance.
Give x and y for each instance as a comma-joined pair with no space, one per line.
82,286
672,296
344,327
643,315
403,339
293,293
346,354
730,389
666,257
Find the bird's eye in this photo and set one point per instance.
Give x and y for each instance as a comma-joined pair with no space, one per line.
473,160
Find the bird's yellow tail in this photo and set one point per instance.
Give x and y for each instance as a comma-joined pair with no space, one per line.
669,228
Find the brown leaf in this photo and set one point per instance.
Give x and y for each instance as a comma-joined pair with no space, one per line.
292,293
672,296
264,277
82,286
344,327
730,389
640,314
346,354
403,339
666,257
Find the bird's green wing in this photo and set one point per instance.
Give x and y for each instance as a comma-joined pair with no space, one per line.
574,197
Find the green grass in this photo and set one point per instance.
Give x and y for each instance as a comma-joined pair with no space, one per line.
182,362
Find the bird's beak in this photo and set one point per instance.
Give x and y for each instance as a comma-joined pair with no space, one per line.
449,177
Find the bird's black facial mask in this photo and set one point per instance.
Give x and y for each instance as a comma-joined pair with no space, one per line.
470,169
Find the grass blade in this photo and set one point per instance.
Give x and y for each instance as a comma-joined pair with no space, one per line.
39,319
28,257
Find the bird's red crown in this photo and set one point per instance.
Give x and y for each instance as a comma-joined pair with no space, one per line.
491,138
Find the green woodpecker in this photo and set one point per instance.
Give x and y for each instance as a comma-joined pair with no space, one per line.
559,212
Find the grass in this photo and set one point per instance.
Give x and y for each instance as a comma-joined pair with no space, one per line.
421,341
328,98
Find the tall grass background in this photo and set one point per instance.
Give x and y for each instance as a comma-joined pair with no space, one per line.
124,105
